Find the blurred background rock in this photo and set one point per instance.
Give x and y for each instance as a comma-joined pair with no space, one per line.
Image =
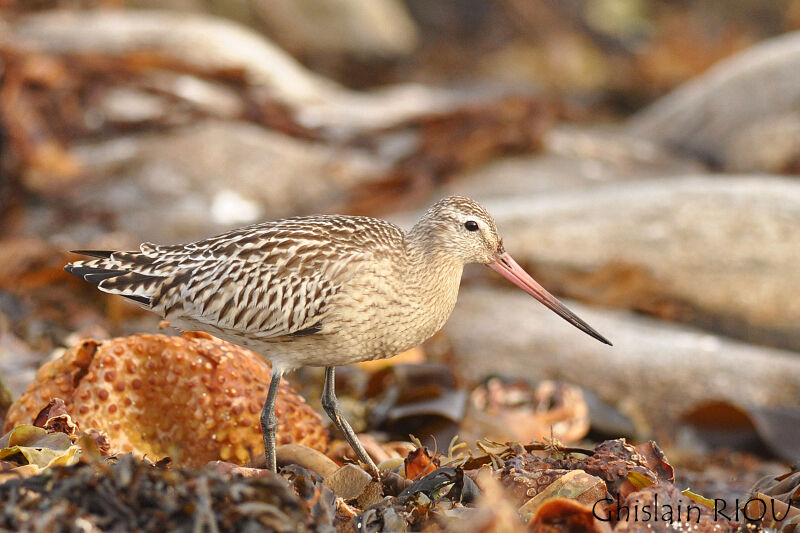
640,156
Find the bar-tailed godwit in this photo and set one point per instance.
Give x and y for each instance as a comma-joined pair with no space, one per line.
324,290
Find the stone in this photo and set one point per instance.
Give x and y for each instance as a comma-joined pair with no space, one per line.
718,253
200,40
348,482
207,42
365,28
704,115
573,158
771,144
655,369
211,176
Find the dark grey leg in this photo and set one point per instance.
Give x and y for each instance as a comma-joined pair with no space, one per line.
269,422
331,407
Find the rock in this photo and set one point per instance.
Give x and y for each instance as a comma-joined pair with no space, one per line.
771,144
125,105
208,42
381,28
574,158
717,253
703,116
348,112
348,482
309,458
198,180
654,368
201,40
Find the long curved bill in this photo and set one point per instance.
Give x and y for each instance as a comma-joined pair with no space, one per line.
505,265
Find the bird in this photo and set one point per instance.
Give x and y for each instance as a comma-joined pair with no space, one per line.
319,290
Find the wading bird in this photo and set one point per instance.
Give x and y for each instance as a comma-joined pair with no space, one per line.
324,290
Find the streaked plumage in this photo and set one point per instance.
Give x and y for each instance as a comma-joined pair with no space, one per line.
321,290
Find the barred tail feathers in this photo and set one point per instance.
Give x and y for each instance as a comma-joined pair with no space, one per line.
116,273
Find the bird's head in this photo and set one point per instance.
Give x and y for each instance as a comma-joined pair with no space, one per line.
463,230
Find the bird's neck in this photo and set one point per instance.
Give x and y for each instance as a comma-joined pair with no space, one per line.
431,280
429,257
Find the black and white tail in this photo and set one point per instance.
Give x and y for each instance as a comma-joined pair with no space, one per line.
128,274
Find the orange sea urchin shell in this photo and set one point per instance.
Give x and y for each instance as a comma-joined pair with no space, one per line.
193,398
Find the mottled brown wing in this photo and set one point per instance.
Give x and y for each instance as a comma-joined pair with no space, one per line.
268,280
280,281
263,300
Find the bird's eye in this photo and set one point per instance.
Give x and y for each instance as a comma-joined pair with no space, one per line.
471,225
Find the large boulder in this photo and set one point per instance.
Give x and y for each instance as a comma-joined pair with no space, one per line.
718,253
200,40
712,113
573,157
211,176
655,368
208,42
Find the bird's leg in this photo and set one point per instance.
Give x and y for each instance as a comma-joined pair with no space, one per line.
331,407
269,421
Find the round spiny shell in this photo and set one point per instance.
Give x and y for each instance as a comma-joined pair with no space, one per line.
193,398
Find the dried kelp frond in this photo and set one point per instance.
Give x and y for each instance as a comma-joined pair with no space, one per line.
132,495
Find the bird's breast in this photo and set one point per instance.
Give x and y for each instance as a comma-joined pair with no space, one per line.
381,316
